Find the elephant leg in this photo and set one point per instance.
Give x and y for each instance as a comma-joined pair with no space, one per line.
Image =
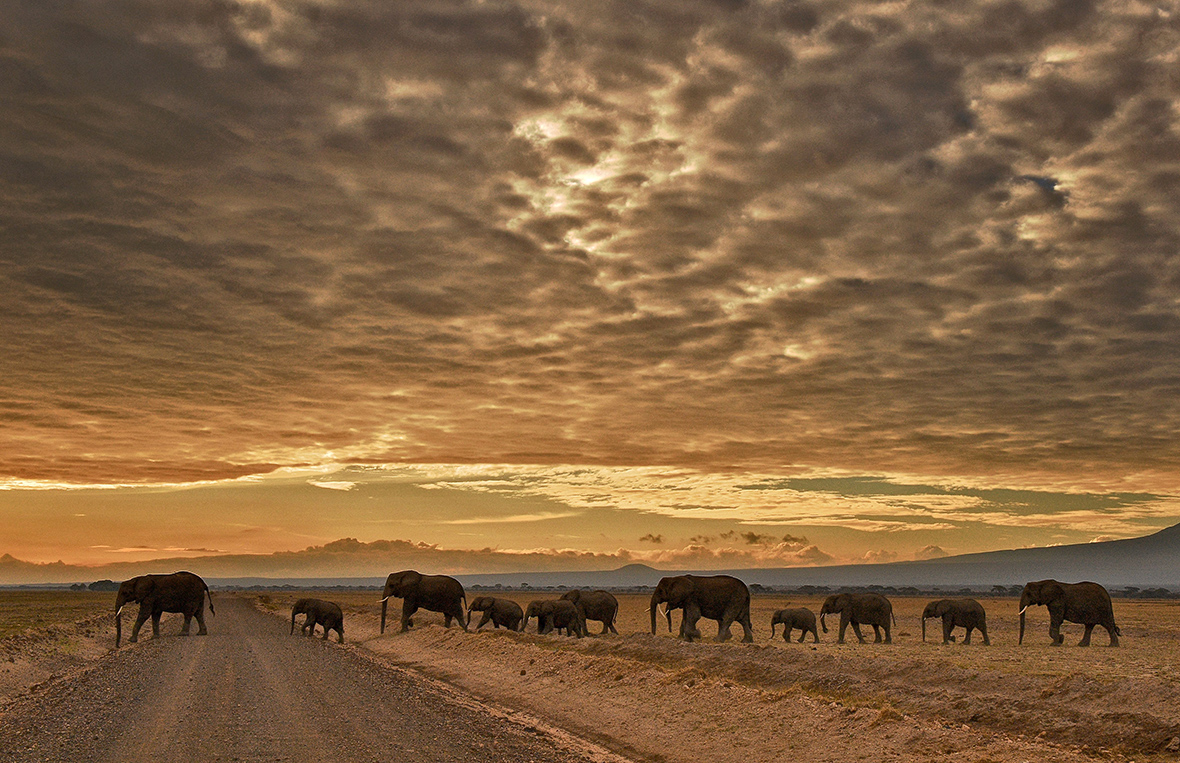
967,638
876,633
723,633
747,628
859,636
446,620
1086,636
983,632
485,619
1055,635
814,634
844,621
201,622
1113,630
156,624
408,611
948,625
139,621
688,624
188,621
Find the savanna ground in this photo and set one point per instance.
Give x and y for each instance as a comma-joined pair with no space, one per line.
660,699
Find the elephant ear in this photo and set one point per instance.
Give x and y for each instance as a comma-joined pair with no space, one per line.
144,587
682,588
1052,592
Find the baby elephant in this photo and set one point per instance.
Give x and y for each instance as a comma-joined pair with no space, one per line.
801,618
500,612
555,614
325,614
957,613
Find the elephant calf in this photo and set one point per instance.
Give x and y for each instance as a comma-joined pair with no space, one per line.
325,614
500,612
555,614
596,605
801,618
957,613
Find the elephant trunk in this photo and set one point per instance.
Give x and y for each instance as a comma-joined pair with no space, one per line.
655,603
384,608
923,629
1025,603
292,621
120,602
823,624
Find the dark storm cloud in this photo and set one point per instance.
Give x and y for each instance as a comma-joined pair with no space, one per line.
933,239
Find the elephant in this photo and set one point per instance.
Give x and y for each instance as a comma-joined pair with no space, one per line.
717,597
801,618
500,612
857,608
596,605
957,613
436,593
555,614
325,614
1086,603
181,592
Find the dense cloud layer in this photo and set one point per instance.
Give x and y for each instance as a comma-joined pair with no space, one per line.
931,238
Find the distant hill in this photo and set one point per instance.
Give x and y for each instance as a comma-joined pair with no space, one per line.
1148,562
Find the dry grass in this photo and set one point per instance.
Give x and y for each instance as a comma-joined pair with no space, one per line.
21,610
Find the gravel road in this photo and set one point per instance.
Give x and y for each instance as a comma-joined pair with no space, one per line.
250,692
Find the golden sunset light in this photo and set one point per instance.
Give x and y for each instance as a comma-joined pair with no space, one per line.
498,286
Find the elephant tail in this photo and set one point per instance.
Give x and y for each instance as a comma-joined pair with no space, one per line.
209,593
894,618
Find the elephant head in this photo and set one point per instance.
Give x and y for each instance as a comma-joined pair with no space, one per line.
401,585
480,604
933,609
133,590
1049,593
833,604
673,593
534,609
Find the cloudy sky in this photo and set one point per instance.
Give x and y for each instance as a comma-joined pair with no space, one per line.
768,281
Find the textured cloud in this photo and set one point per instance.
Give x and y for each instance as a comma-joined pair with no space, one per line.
769,236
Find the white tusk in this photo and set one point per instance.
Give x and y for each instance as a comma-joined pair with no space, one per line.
387,598
119,611
1021,612
663,610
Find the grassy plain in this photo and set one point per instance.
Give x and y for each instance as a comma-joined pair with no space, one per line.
24,609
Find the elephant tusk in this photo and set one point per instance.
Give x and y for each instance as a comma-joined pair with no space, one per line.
1021,612
119,611
387,598
663,610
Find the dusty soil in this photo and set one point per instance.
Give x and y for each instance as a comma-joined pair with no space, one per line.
44,634
657,698
251,691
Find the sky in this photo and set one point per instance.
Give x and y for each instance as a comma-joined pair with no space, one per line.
707,283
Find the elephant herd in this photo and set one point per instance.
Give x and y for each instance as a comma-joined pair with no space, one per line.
722,598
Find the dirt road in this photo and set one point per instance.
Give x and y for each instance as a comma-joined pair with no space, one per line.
251,692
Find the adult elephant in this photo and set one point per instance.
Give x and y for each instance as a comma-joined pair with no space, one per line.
555,614
326,614
181,592
1085,603
957,613
596,605
860,609
716,597
500,612
435,593
798,617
